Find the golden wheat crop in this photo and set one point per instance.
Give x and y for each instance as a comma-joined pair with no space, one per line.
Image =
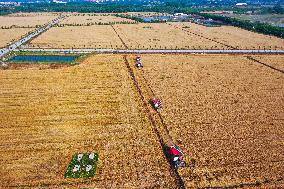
276,61
94,19
11,35
97,36
226,112
161,36
235,37
26,19
49,115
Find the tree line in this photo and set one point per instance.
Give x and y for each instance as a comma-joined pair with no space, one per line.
95,23
248,25
168,7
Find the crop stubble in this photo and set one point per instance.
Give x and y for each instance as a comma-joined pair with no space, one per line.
97,36
154,36
276,61
10,35
93,19
233,36
161,36
26,19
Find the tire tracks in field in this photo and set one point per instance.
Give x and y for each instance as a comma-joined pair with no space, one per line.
199,35
264,64
159,114
124,44
155,118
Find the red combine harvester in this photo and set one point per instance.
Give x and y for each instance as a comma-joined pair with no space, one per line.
138,62
157,104
175,155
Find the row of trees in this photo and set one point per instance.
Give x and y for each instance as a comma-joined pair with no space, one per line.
96,23
149,47
15,26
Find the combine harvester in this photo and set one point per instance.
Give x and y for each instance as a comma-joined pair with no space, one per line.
138,62
157,104
175,155
173,151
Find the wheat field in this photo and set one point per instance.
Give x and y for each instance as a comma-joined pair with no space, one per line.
49,115
97,36
226,112
11,35
235,37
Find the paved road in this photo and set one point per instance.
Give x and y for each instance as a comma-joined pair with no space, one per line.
155,51
28,37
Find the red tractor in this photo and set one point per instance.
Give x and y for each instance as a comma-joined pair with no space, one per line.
175,155
156,103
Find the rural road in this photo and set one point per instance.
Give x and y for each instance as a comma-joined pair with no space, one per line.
153,51
28,37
